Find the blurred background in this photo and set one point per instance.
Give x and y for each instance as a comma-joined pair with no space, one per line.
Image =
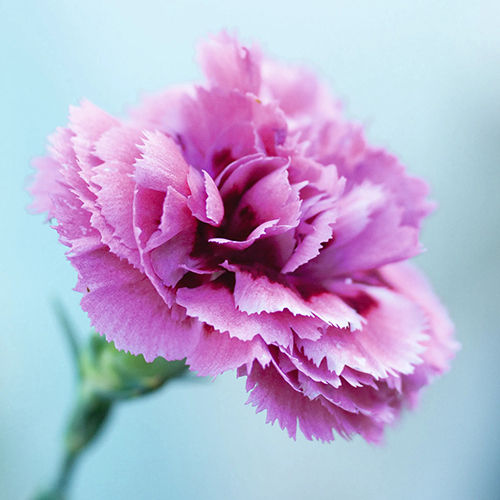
424,77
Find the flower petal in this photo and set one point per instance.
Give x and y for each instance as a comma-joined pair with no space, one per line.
229,65
204,201
390,343
214,304
124,306
161,165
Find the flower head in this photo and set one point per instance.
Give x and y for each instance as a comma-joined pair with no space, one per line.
245,224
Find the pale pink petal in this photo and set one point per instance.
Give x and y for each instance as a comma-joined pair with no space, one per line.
120,144
218,126
217,352
163,111
124,306
88,123
161,165
148,211
384,240
356,210
229,65
390,342
297,90
334,311
47,184
380,167
256,294
214,304
73,225
440,346
311,237
264,229
115,198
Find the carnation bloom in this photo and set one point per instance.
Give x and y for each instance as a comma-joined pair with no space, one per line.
245,224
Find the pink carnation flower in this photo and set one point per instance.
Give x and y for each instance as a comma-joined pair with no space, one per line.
246,225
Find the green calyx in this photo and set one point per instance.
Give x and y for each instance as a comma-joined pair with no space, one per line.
105,377
118,375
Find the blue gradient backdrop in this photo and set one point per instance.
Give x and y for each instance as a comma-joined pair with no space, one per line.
424,77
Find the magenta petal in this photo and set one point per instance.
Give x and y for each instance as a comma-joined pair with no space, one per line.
305,327
269,392
176,218
270,198
316,418
168,259
245,224
245,172
204,201
380,404
214,203
297,362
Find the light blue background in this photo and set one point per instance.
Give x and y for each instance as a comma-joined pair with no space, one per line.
424,76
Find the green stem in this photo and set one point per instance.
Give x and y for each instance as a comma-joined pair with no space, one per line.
67,468
105,377
67,329
88,418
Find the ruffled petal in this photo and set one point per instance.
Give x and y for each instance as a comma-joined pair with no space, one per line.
205,201
161,165
256,293
217,352
123,305
316,418
383,241
214,305
247,225
389,343
229,65
440,347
